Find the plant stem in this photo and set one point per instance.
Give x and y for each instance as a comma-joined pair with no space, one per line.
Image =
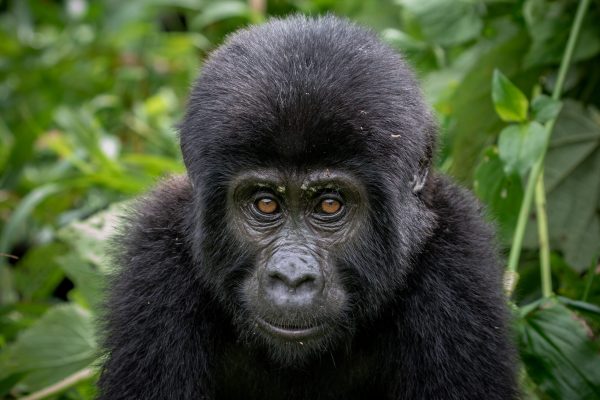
571,43
537,168
62,385
540,204
590,279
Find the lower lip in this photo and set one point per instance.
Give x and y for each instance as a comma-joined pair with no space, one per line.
290,334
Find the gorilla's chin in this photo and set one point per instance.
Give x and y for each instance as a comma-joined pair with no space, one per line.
294,347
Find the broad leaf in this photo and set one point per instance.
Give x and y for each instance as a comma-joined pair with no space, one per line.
501,192
219,11
549,24
37,274
544,108
446,22
90,238
61,343
573,187
558,354
474,121
520,146
89,280
510,103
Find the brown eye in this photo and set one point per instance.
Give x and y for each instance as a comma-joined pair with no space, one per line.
266,205
329,206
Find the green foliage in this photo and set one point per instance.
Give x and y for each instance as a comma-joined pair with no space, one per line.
501,191
90,92
558,353
545,109
59,344
571,176
520,145
510,103
442,22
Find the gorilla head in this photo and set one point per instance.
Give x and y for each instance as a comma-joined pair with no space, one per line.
308,146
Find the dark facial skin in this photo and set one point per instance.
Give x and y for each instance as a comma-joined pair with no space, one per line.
296,223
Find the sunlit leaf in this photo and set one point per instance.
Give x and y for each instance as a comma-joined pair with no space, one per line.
219,11
510,103
401,40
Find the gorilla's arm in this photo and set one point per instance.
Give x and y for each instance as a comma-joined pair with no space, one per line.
453,314
155,344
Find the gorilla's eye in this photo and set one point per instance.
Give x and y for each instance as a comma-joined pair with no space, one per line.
329,206
266,205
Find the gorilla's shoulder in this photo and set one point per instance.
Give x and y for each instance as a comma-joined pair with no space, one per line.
156,223
167,201
457,207
463,235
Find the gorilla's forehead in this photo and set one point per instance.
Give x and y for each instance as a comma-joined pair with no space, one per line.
305,92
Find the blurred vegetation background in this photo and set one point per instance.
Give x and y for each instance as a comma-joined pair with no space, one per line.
90,92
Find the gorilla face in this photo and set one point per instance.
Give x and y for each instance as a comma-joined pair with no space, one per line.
297,225
309,172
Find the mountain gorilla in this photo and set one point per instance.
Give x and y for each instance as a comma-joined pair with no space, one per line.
310,252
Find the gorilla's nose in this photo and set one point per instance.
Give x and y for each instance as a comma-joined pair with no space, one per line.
293,281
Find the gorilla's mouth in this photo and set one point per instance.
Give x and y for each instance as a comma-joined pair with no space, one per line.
291,332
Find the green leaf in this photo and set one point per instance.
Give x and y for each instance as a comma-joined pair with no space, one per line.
501,192
7,383
89,281
549,24
91,237
573,187
402,40
589,310
153,165
474,121
510,103
445,22
37,273
575,137
544,108
22,212
520,146
61,343
219,11
558,354
16,317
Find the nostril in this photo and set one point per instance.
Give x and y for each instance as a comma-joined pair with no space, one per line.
290,286
293,281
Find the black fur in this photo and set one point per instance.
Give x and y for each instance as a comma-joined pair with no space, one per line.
427,317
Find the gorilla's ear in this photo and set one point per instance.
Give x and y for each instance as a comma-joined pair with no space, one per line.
419,180
421,177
